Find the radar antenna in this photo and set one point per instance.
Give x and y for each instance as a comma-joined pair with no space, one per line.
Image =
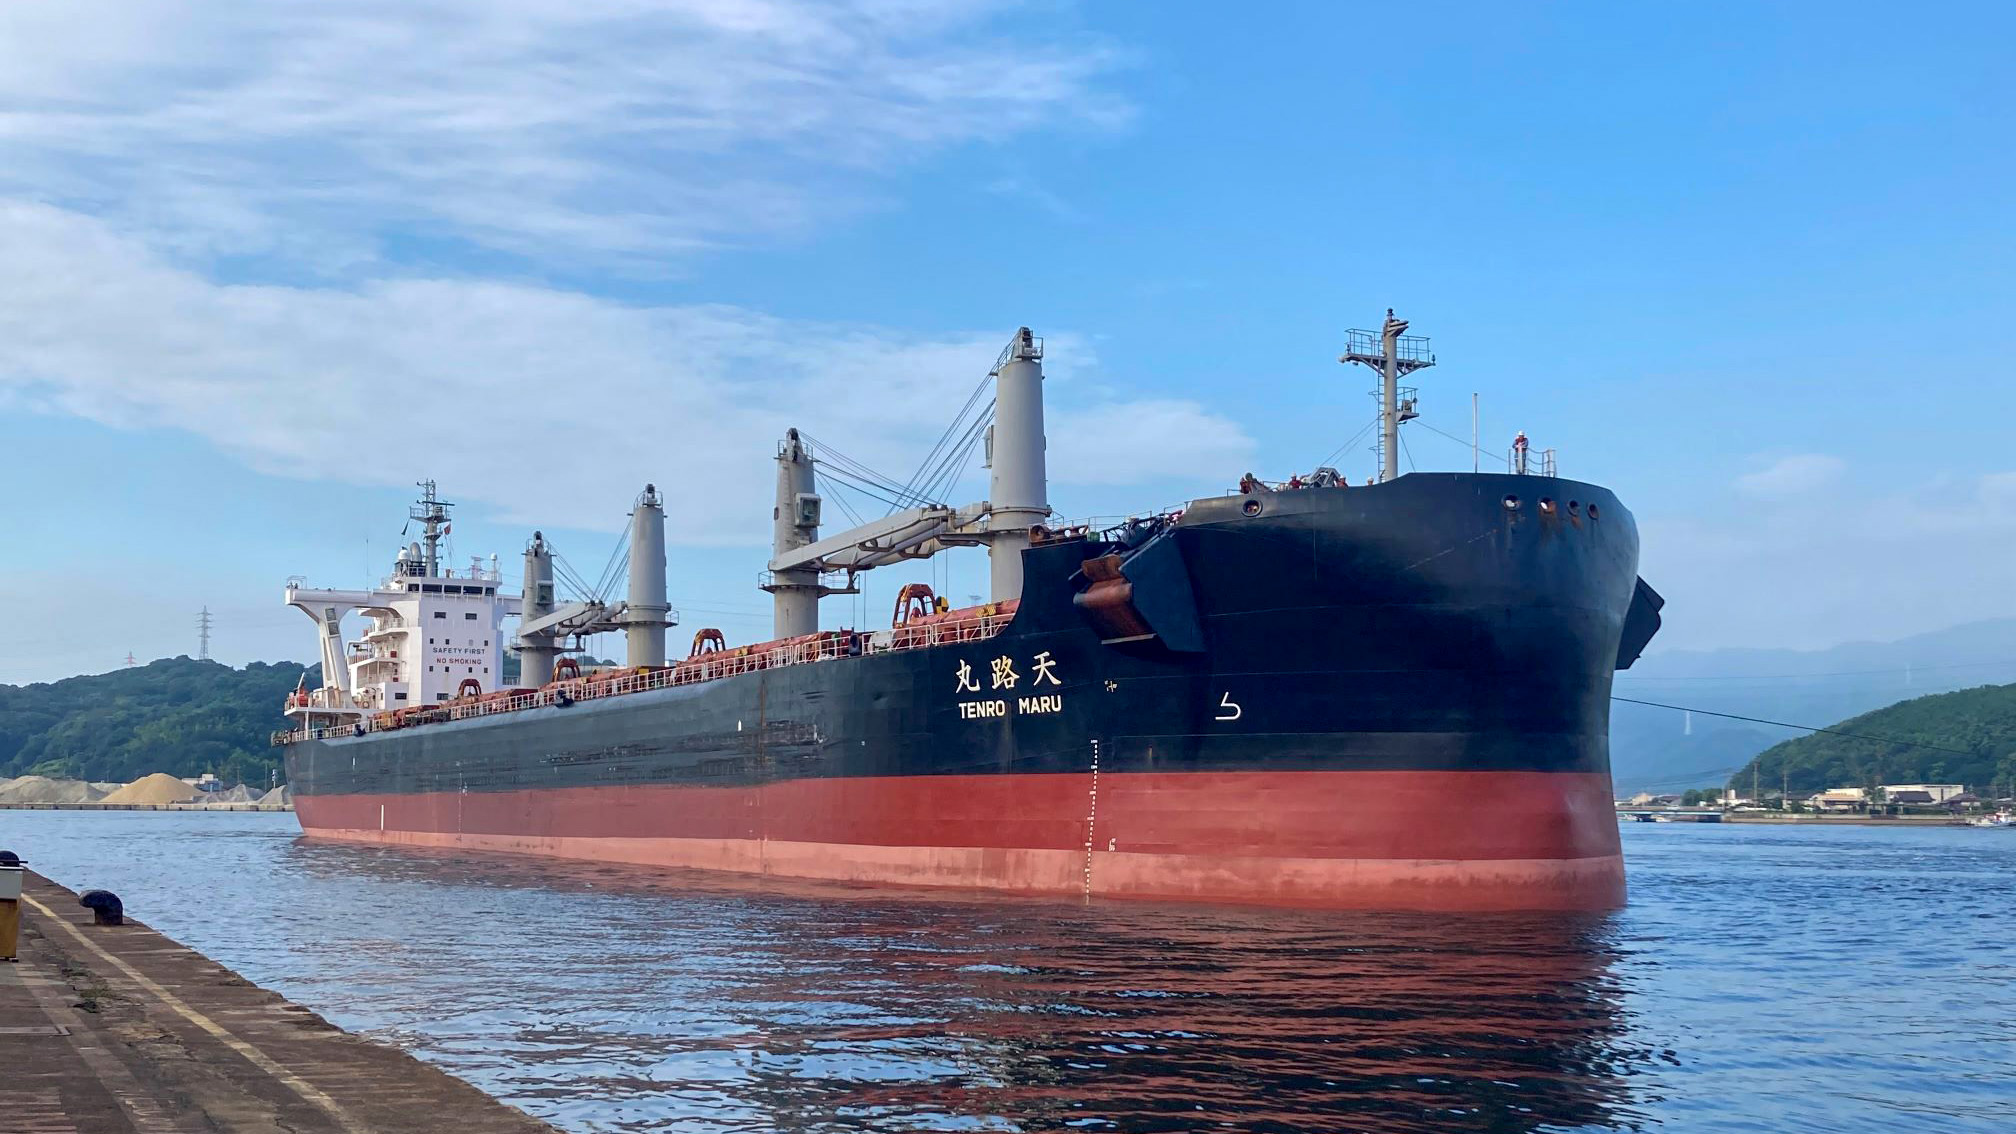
433,516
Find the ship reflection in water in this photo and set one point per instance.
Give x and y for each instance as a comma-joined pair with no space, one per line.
606,999
1763,978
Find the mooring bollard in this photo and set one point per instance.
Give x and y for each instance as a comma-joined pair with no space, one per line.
105,907
11,874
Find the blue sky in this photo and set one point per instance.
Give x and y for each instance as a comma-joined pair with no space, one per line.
262,266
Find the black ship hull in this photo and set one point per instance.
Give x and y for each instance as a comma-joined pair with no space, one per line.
1393,695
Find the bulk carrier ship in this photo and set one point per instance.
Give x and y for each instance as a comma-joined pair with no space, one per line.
1389,695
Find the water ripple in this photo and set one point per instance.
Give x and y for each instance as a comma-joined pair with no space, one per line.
1763,979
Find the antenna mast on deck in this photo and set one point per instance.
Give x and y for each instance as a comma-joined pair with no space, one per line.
1394,354
433,516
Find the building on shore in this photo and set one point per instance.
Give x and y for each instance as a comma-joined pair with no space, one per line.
1839,799
1893,798
1933,793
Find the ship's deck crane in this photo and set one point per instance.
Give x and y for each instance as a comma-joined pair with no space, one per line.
642,617
1018,499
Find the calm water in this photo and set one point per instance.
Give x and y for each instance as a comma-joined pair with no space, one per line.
1764,978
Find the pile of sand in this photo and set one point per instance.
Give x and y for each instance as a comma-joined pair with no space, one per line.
42,789
278,797
239,794
156,790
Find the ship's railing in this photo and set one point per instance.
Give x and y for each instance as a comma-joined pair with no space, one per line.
824,646
1531,462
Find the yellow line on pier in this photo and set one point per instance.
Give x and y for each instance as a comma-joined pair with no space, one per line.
308,1091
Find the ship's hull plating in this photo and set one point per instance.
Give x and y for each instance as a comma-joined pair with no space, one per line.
1392,696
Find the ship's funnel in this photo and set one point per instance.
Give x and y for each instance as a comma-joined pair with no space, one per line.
537,651
648,614
1018,488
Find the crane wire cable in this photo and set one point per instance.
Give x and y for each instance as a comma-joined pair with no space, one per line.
866,488
565,571
833,457
935,474
840,498
929,468
837,463
946,472
956,460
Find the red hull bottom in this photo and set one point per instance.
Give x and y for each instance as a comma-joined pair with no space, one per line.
1373,840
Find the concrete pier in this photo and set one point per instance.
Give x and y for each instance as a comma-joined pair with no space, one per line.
119,1030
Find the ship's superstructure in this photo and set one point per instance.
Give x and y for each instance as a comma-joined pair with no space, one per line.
431,633
1303,692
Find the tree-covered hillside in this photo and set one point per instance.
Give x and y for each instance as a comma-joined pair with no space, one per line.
1657,749
1965,737
176,715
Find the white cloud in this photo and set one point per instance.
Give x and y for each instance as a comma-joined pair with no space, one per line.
1840,562
1998,490
554,406
615,129
1139,442
1796,475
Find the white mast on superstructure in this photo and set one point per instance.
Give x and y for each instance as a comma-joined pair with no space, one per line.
433,516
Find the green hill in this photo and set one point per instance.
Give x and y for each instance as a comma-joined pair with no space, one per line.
1964,737
176,715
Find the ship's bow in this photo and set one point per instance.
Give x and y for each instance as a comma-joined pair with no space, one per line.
1402,701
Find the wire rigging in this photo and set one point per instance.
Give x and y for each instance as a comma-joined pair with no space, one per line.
1803,728
935,475
865,478
617,566
840,498
564,571
1331,460
930,469
1500,457
605,583
1895,669
957,460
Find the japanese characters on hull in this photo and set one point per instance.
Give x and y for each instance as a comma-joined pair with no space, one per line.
1006,681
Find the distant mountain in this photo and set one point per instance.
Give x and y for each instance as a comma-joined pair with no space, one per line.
1654,748
1965,737
176,715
